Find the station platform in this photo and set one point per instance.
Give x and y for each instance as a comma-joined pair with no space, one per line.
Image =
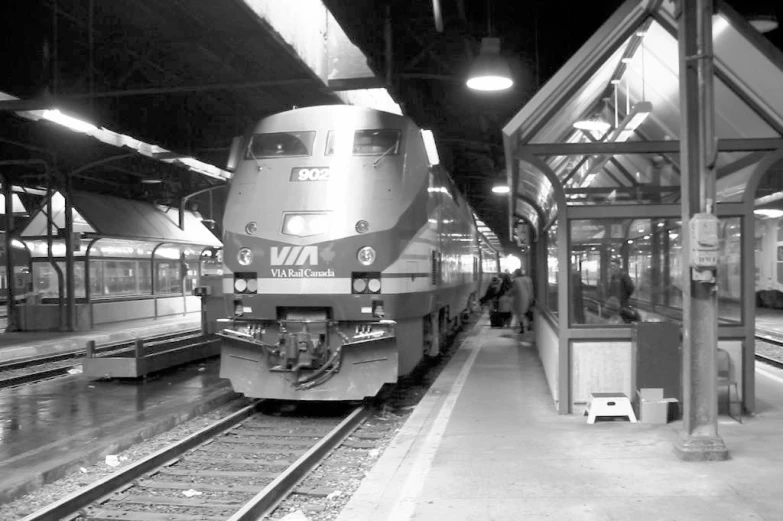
23,344
50,429
486,443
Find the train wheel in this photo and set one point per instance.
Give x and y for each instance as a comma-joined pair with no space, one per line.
432,335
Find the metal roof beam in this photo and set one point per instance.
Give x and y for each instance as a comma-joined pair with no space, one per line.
644,147
187,88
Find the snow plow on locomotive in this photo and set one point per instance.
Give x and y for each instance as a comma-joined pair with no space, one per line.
347,253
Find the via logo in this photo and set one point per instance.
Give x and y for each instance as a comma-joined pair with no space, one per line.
293,256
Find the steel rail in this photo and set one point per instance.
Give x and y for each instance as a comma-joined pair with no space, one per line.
274,493
44,359
73,503
769,361
75,357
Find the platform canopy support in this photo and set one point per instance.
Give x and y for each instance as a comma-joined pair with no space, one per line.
699,440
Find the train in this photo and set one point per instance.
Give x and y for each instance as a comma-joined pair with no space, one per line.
666,290
349,255
769,262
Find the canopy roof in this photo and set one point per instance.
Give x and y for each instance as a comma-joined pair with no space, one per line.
627,74
107,216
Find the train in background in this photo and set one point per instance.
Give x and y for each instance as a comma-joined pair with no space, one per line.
768,258
349,255
769,262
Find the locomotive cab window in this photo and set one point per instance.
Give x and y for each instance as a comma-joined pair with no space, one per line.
281,144
369,142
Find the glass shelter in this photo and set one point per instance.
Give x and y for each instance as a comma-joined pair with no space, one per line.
131,260
596,153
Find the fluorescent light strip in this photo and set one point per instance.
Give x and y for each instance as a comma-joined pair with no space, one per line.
109,137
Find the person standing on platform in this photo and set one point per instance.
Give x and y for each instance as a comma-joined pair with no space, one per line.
522,293
620,284
493,291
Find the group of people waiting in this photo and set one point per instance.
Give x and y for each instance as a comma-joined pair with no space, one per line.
508,298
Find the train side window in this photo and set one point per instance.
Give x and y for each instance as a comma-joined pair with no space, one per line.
281,144
374,142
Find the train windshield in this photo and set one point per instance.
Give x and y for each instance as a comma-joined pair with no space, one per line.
374,142
281,144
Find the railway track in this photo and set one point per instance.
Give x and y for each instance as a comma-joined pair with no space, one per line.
36,369
239,468
771,351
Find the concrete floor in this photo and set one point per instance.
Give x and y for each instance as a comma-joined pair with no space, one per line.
486,443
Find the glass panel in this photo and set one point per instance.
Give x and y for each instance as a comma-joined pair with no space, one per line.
168,252
119,278
168,277
630,270
281,144
730,271
191,275
212,262
622,179
40,248
119,248
45,280
369,142
552,268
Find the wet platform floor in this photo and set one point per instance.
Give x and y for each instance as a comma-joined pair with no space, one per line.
50,428
22,344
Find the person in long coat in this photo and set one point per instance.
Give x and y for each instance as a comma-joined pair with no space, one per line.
522,292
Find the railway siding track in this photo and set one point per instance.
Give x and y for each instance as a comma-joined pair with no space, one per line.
36,369
238,468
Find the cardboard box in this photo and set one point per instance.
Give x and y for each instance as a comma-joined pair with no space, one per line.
652,407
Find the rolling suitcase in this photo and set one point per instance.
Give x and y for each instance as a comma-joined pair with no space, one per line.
496,318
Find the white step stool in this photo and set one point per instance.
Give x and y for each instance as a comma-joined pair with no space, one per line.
609,404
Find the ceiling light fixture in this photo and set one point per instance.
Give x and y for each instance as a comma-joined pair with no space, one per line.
763,23
72,123
489,71
500,189
595,123
770,213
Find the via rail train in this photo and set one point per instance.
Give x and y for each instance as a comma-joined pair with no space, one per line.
348,255
769,262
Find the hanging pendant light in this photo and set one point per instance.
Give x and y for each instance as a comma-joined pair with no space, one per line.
764,23
489,71
593,124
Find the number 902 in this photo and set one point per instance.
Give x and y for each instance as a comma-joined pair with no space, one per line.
313,174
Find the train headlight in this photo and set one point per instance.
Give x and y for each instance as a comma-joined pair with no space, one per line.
366,283
359,285
362,226
295,225
305,224
251,228
245,282
245,256
366,255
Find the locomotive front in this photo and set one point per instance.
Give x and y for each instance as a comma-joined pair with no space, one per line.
308,230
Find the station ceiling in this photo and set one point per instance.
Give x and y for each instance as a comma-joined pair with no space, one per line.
188,75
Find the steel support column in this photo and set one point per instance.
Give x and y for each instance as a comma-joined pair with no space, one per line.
8,193
70,289
699,440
